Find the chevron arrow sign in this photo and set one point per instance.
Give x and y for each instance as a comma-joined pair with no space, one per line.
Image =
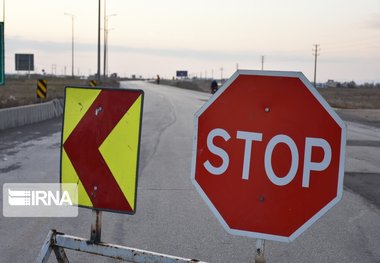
100,146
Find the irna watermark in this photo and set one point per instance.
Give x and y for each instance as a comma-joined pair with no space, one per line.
40,200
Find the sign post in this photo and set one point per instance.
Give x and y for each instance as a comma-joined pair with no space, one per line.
268,155
96,226
260,249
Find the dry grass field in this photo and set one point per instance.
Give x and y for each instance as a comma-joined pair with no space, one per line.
20,91
343,98
17,92
348,98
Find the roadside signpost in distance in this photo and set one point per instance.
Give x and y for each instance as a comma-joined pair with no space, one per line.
268,155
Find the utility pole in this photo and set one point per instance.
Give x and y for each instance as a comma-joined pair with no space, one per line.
221,74
53,69
262,62
98,69
72,42
105,41
316,53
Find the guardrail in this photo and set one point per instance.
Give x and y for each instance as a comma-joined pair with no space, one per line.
28,114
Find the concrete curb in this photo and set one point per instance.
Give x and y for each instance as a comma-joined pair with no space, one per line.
28,114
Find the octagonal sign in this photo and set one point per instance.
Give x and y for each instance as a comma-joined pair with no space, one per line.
268,154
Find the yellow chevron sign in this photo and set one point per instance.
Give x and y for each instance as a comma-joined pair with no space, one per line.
100,146
41,88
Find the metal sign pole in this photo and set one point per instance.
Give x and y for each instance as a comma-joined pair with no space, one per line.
96,226
260,249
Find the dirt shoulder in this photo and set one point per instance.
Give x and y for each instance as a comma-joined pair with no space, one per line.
352,98
355,105
22,91
342,98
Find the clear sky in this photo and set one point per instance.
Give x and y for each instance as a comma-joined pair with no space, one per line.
149,37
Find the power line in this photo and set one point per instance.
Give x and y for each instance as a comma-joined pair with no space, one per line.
349,43
355,45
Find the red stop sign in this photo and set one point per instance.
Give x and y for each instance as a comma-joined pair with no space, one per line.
268,155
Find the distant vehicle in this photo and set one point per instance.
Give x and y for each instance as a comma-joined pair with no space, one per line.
214,86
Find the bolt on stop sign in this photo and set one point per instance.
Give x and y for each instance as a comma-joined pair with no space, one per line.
268,155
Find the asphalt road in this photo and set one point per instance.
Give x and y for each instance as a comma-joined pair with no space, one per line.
171,217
